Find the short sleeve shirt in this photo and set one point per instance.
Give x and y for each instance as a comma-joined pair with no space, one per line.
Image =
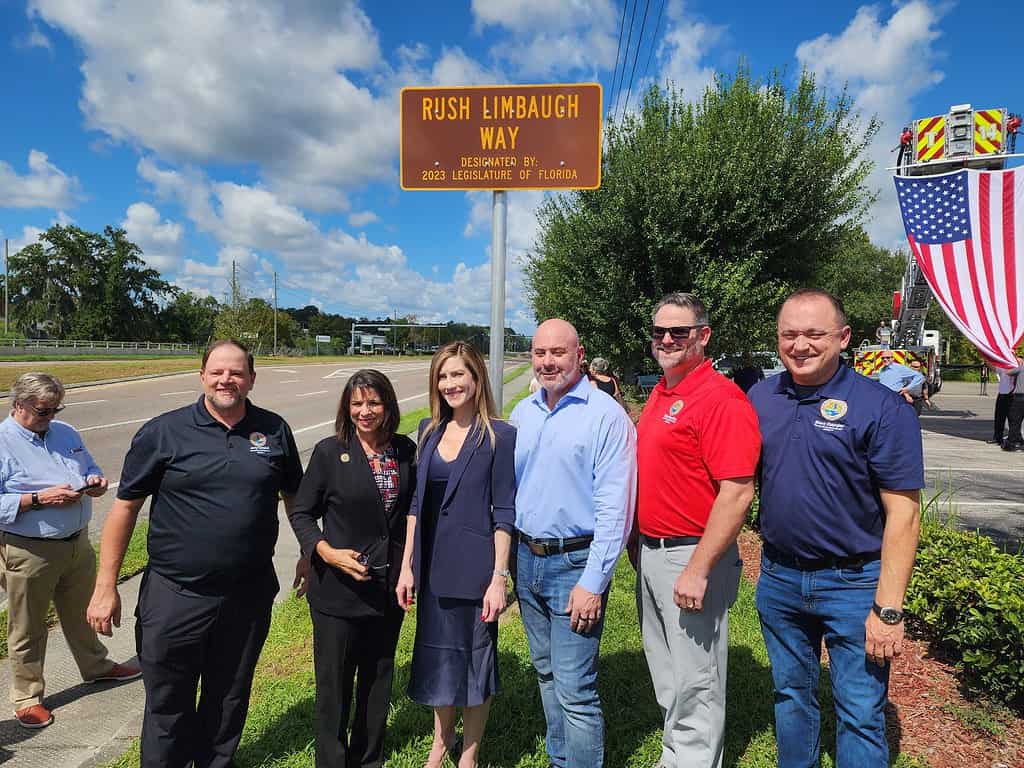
213,517
825,458
690,438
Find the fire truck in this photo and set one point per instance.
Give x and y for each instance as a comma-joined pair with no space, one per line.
965,137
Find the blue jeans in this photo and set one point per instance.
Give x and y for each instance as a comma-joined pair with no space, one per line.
798,609
566,662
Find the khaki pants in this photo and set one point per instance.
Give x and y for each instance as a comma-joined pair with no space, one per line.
36,572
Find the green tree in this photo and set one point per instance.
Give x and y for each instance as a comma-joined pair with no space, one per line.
739,198
252,323
189,318
78,283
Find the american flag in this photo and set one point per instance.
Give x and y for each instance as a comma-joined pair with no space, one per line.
966,230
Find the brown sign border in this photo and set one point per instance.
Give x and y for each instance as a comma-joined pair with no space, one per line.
401,126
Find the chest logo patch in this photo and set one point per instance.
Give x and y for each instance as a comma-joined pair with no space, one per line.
833,409
670,415
258,443
345,458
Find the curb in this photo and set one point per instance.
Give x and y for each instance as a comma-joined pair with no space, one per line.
101,382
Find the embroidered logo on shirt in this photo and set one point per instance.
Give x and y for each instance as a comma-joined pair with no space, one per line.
258,443
833,410
670,417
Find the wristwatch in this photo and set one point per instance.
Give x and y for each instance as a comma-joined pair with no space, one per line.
887,615
505,574
35,502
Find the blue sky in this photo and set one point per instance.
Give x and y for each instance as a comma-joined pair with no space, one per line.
265,132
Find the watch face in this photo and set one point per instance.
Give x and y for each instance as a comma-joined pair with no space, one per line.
890,615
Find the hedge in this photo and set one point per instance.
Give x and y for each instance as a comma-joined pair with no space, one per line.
970,596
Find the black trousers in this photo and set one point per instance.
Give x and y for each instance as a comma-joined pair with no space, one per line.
182,638
346,652
1002,414
1016,419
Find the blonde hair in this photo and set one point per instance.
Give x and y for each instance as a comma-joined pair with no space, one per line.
483,400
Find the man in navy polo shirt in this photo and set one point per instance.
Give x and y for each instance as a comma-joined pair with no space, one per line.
841,473
215,471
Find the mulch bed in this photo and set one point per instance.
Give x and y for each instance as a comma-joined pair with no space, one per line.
925,694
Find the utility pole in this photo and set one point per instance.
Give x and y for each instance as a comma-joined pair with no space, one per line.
275,314
234,285
7,279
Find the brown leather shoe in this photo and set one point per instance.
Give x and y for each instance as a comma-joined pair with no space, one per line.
118,674
36,716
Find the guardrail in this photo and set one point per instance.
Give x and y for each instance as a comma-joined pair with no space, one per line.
167,346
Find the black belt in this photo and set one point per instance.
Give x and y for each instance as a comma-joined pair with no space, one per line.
820,563
72,537
545,547
671,541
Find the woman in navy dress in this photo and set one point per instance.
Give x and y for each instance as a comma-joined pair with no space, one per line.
455,564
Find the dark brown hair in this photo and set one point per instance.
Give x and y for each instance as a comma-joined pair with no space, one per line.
379,383
818,293
233,343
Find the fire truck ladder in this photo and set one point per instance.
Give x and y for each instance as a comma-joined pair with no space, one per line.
916,298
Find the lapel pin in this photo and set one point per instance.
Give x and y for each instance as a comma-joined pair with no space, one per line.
344,458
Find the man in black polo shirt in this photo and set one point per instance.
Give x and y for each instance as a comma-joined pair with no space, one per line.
215,470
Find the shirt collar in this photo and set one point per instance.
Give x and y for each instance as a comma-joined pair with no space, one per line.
12,424
579,391
203,418
690,381
838,387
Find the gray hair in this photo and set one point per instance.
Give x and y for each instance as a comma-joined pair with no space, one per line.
599,365
37,386
684,301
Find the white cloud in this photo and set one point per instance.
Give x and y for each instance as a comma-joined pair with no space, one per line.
886,63
160,241
362,218
35,39
685,44
552,38
44,186
266,83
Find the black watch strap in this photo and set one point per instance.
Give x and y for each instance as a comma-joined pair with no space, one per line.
887,615
35,501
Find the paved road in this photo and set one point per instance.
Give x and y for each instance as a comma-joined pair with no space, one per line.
109,415
981,484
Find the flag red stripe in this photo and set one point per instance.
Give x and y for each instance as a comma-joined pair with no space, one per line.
986,328
985,239
1009,254
949,260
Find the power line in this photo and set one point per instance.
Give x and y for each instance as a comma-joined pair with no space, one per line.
618,47
639,43
629,38
654,41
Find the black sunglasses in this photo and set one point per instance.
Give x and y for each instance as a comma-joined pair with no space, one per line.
43,413
677,332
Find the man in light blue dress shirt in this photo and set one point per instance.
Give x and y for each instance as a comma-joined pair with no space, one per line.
899,378
46,480
576,478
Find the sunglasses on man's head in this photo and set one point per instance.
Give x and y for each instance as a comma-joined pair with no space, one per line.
677,332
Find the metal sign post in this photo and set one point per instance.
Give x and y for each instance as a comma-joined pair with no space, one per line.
499,222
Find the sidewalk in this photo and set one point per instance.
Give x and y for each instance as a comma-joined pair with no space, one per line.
93,724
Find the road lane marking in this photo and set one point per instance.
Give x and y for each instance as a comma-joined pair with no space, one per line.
318,392
288,381
86,402
325,423
283,370
182,392
115,424
973,469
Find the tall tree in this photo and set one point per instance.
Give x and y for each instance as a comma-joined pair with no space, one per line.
188,318
737,197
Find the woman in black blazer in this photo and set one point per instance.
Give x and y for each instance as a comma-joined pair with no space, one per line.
457,549
360,482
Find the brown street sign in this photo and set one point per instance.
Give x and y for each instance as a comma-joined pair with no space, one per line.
502,137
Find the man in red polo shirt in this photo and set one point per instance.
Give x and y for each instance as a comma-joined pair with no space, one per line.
697,449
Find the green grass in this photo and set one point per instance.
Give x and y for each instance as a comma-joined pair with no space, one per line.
984,717
410,421
135,560
515,373
279,730
525,392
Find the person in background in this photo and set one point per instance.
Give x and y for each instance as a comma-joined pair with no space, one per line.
984,376
576,473
602,379
920,399
359,483
1004,398
899,378
455,564
1015,416
747,374
216,471
47,483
